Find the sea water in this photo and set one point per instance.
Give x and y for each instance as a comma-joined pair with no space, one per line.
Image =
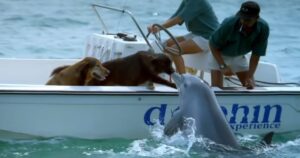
59,29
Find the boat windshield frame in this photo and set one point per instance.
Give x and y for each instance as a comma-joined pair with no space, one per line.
105,30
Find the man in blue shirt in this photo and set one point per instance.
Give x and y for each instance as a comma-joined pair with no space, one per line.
200,21
237,36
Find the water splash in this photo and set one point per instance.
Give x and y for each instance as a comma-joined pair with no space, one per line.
185,141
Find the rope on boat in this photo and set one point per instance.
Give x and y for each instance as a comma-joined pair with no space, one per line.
235,80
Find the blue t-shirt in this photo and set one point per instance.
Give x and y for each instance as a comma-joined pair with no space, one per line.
198,17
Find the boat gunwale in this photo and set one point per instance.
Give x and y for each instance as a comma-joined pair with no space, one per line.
144,92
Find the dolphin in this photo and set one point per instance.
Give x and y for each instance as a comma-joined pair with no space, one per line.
197,101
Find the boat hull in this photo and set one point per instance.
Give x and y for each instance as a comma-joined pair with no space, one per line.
113,112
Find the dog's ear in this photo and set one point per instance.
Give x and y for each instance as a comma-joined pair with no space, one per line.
157,65
90,61
86,63
162,63
59,69
160,59
154,61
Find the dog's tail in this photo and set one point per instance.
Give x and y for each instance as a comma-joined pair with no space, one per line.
267,139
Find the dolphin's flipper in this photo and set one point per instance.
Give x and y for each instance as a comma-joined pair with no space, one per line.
267,140
174,124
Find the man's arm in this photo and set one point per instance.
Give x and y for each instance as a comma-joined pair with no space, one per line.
259,49
173,21
169,23
254,59
218,41
218,56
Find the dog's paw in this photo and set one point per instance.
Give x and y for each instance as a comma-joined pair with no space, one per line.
173,85
150,85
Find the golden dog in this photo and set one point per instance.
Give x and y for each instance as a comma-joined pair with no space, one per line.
80,73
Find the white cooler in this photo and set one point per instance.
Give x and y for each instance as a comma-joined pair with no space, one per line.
108,47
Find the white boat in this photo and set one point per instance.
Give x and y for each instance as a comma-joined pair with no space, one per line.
29,108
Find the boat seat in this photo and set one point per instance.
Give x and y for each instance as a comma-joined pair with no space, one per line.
265,72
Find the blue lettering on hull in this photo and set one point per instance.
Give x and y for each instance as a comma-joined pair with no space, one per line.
162,112
240,117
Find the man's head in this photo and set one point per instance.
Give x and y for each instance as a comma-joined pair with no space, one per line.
249,13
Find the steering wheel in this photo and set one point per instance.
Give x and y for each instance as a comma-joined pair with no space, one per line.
161,45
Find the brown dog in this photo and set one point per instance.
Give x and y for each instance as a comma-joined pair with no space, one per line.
78,74
137,69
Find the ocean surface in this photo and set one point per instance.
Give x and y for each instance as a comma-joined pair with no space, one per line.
59,29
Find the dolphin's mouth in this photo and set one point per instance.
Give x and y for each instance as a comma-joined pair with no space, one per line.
177,78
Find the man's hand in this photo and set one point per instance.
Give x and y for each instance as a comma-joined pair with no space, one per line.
152,29
249,84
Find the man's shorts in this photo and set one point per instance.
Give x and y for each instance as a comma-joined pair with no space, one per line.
237,64
198,60
199,40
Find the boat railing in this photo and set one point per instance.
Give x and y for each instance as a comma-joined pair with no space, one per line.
105,30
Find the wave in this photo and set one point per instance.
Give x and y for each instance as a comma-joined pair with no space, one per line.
14,18
57,22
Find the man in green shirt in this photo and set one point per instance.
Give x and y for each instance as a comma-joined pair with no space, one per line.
200,21
237,36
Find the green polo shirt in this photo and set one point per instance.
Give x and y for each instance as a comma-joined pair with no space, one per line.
232,42
198,17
